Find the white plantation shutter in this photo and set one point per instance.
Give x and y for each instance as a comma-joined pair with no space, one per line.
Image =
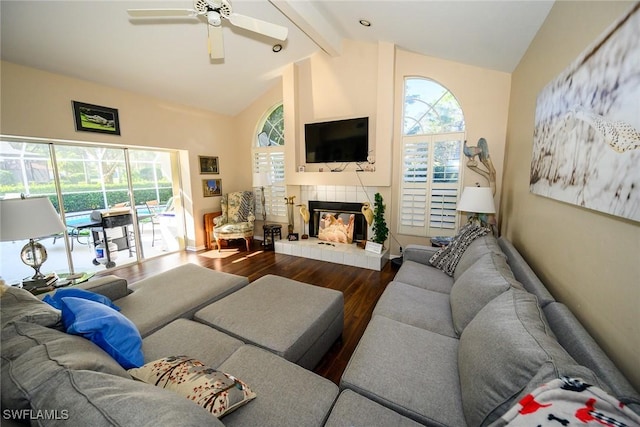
271,162
413,212
413,202
415,161
430,185
442,209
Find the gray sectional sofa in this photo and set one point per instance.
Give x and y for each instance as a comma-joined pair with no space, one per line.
54,378
439,350
462,350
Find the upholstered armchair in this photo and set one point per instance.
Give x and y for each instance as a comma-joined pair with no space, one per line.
236,221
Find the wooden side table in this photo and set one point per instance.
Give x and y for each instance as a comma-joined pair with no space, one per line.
208,228
269,235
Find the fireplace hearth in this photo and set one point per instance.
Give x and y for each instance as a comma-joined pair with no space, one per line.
317,208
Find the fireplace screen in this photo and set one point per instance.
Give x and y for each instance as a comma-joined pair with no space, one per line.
348,223
336,227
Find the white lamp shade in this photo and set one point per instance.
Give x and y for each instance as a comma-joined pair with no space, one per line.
261,179
477,200
28,218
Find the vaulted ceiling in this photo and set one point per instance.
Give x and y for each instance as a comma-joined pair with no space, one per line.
168,57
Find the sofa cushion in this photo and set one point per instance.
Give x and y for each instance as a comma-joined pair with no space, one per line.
410,370
157,301
212,346
278,383
424,276
32,354
478,248
215,391
17,304
55,300
483,281
352,409
447,258
96,399
104,326
501,350
417,307
282,315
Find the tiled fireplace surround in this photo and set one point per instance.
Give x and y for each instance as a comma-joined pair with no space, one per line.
339,253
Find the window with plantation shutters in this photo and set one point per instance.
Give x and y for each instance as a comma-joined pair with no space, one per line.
268,165
432,140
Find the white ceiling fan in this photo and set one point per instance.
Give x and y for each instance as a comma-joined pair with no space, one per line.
214,11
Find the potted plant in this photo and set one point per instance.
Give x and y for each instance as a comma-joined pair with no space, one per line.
380,230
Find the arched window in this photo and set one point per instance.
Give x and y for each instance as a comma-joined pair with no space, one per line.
268,164
433,135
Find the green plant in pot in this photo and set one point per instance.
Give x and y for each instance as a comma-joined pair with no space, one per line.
380,230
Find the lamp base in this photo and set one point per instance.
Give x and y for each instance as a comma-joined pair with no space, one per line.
34,255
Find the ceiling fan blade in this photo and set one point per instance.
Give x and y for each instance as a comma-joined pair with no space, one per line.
216,42
258,26
159,13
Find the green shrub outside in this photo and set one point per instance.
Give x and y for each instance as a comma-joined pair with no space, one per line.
7,178
85,197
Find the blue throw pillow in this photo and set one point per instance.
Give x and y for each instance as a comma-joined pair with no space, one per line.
106,328
54,300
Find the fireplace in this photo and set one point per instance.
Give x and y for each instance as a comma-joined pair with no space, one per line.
318,208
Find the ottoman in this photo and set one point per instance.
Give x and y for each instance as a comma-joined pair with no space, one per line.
294,320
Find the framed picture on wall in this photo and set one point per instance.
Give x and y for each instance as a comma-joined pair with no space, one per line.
209,164
94,118
211,187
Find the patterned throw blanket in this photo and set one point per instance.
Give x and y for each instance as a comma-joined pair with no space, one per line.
569,402
447,258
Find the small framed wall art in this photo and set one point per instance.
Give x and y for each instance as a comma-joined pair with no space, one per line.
209,164
94,118
211,187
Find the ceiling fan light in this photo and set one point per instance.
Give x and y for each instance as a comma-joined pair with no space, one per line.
213,18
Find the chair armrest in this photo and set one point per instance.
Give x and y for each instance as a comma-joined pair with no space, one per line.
112,287
220,220
419,253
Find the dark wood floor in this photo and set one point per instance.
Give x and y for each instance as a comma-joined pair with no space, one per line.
361,287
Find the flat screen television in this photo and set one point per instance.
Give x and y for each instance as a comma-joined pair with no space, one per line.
337,141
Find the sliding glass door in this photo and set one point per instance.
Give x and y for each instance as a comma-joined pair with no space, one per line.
85,183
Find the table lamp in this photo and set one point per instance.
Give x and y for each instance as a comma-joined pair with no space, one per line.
477,202
29,218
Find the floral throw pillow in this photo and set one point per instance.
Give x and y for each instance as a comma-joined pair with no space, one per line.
446,258
217,392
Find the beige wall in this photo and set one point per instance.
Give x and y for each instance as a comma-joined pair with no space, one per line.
357,83
38,104
484,97
590,261
246,131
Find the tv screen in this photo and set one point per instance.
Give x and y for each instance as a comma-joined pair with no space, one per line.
337,141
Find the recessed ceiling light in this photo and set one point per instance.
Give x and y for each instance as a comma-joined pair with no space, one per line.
365,23
276,48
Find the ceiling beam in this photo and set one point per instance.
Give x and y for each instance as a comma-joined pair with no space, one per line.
306,17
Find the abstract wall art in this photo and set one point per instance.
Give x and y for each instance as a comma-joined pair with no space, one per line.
586,144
